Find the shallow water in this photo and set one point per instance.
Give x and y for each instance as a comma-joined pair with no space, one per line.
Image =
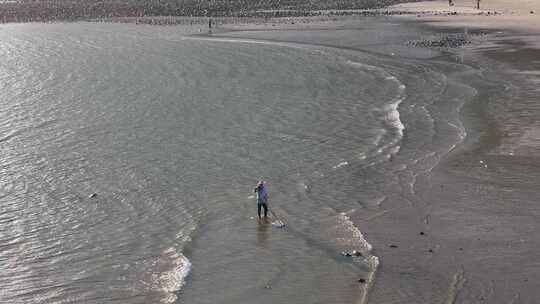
172,133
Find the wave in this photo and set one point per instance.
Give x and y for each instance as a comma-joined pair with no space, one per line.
389,112
392,116
359,243
171,280
344,234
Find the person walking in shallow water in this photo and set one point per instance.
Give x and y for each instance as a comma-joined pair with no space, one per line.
262,198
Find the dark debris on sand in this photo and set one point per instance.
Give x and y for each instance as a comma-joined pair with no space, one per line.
444,41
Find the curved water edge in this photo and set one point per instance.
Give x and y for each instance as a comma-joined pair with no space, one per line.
170,281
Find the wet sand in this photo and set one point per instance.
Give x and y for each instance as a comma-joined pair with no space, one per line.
472,230
469,234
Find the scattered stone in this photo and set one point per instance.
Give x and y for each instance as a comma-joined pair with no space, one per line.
422,233
93,195
347,254
362,280
393,246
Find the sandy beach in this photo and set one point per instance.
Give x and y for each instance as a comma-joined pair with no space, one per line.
479,207
521,15
401,147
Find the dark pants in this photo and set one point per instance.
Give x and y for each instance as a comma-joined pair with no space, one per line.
259,205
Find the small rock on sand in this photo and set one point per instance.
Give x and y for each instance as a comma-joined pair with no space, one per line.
362,280
393,246
93,195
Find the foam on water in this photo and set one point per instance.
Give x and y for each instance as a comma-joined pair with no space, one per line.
392,116
171,280
348,237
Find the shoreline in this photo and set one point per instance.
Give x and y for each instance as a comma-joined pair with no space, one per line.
464,262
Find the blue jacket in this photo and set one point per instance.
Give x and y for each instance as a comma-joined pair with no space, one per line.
262,195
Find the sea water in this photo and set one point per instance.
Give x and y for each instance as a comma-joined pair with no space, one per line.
130,153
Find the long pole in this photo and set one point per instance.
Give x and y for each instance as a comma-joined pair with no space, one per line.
281,223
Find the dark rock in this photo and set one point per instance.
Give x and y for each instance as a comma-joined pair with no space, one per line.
460,248
357,253
422,233
93,195
393,246
362,280
347,254
431,250
532,12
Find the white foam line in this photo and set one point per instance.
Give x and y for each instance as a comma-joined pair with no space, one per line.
371,260
172,280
